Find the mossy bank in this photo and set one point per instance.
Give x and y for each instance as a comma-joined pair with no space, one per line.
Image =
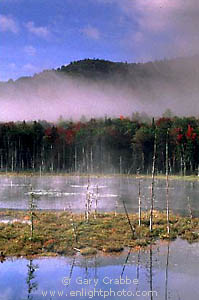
60,233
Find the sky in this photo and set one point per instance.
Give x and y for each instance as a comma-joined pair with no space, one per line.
45,34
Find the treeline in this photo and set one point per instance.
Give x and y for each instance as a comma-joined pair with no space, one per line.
118,145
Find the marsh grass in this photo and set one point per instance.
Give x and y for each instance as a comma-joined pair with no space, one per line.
53,234
97,175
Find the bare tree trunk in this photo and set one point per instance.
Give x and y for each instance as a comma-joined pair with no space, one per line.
167,182
75,159
74,228
12,163
129,221
91,158
189,208
96,201
87,203
140,209
181,165
31,208
152,182
183,162
143,162
52,161
120,165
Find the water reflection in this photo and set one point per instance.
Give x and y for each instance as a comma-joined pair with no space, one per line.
32,285
167,272
151,271
170,270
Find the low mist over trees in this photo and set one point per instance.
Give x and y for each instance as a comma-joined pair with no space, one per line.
110,145
95,87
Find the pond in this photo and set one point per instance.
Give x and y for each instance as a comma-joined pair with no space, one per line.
164,271
62,192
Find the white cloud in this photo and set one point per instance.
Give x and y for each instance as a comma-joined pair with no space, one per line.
7,23
172,24
91,32
30,50
41,31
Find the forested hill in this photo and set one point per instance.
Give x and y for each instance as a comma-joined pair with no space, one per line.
98,87
132,72
168,70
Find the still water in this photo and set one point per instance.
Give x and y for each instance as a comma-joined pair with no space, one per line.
165,271
62,192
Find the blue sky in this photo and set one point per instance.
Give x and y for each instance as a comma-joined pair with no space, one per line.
45,34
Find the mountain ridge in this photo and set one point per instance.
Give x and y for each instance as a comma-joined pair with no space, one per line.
96,87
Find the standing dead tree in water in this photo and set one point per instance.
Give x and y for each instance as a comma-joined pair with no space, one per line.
96,201
189,208
32,207
167,181
74,227
129,221
139,200
139,203
153,181
88,202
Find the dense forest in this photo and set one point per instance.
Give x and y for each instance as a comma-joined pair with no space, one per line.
108,145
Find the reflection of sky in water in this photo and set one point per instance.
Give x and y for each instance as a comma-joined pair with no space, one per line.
48,274
57,192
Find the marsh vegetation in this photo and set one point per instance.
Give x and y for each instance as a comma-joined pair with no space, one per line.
54,233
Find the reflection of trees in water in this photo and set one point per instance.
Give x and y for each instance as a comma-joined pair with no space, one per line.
72,267
138,270
167,272
151,270
146,261
89,266
2,257
88,269
32,285
126,261
96,276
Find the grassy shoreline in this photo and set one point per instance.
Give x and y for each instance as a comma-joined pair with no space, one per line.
56,234
95,175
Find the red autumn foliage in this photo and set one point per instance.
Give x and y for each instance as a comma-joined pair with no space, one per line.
70,135
177,135
190,134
